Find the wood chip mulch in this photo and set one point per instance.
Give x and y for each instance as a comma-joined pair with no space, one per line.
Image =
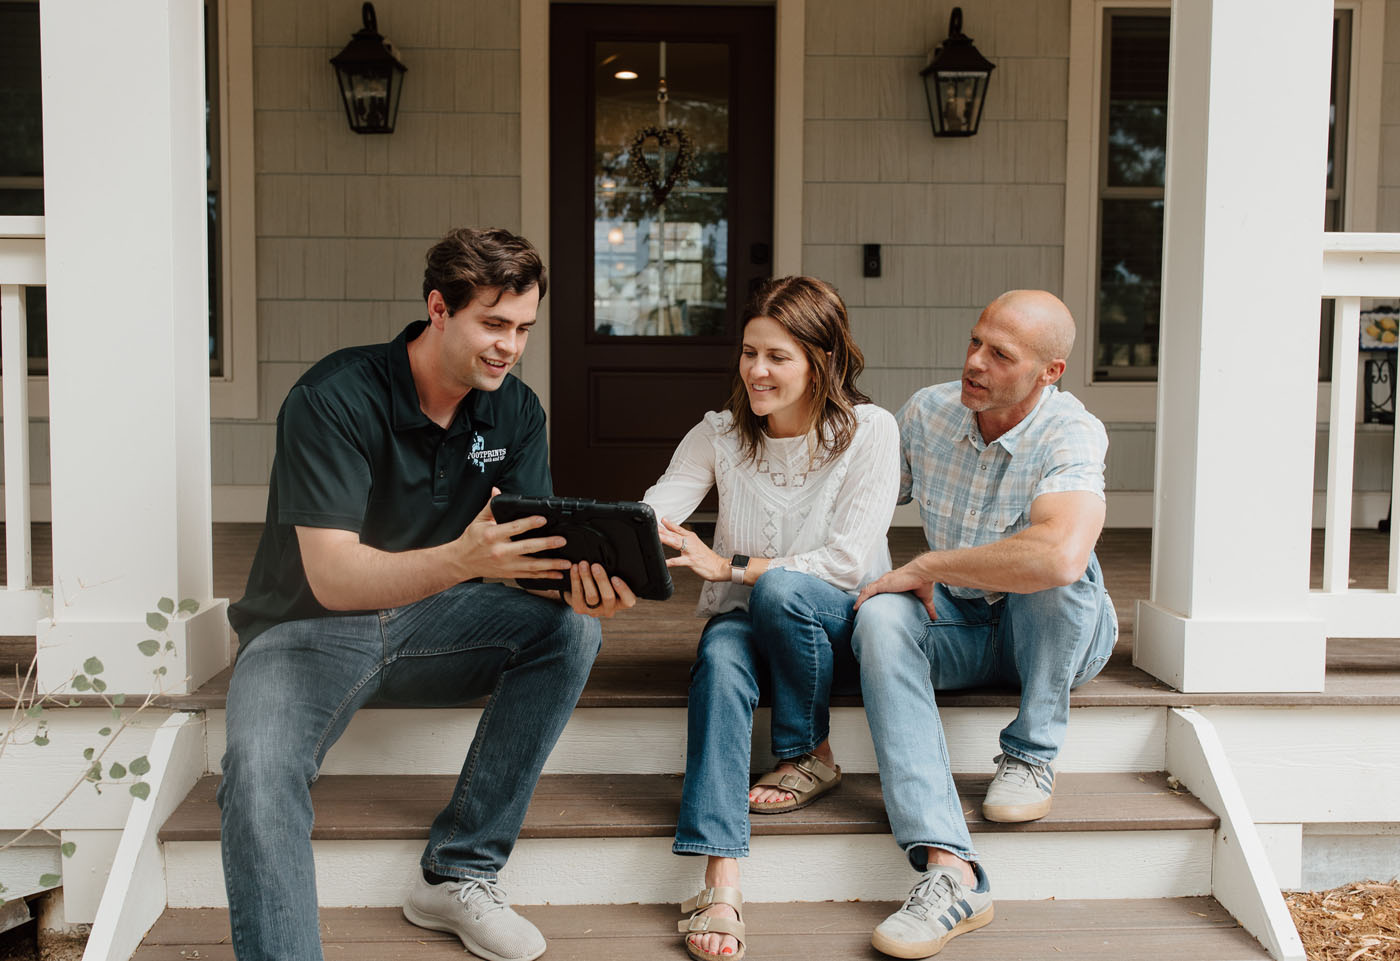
1355,922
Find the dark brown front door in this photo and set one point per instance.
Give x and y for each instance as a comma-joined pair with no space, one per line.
661,177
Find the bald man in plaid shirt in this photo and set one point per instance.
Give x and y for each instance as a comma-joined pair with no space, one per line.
1008,472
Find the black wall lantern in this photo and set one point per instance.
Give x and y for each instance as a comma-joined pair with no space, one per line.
370,78
955,82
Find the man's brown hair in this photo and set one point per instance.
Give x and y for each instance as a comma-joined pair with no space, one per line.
470,259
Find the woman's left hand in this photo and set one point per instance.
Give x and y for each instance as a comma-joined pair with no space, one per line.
694,553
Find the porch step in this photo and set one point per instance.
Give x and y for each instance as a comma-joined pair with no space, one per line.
590,838
643,740
1054,930
637,805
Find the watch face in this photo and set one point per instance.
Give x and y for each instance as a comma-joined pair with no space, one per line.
740,560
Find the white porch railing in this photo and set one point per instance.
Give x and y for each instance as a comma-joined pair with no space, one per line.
1354,266
21,265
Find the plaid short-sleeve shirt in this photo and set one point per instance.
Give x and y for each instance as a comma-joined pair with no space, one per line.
972,493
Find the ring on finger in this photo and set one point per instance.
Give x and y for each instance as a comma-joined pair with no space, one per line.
683,542
592,607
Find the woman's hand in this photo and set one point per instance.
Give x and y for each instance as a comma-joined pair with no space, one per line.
694,553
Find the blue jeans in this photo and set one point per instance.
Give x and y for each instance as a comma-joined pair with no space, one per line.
794,638
294,689
1045,643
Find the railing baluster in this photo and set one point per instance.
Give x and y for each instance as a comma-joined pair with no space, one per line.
15,373
1341,446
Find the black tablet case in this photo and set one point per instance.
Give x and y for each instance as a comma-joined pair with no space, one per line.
619,535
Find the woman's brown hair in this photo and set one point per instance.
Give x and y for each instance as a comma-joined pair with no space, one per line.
813,314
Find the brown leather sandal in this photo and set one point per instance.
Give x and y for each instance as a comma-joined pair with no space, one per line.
813,778
709,924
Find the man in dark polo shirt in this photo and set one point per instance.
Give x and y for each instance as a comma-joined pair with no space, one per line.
367,585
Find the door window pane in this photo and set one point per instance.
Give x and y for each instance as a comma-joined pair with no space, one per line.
661,170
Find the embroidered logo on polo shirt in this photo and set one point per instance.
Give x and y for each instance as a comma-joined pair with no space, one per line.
481,457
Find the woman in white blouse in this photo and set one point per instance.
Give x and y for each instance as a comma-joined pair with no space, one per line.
807,471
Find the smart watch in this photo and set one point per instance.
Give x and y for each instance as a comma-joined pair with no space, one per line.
738,564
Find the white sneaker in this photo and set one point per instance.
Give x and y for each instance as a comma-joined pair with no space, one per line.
475,911
1019,791
939,909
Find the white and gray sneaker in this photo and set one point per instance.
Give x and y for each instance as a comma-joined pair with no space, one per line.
475,911
939,909
1019,791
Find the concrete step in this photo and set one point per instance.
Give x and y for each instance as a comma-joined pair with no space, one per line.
1101,930
597,838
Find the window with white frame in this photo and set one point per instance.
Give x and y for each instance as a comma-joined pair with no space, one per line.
22,189
1132,174
1120,53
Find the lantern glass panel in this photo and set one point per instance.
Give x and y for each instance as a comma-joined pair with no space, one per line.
964,102
955,100
367,97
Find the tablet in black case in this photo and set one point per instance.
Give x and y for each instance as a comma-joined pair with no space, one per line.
621,536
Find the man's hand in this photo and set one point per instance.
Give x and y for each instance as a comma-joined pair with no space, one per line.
485,548
901,581
593,594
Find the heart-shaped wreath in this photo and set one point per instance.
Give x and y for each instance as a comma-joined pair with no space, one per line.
643,172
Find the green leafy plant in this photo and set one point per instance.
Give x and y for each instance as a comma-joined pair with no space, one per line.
29,713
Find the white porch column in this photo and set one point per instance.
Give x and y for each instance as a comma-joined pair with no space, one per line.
1236,413
124,193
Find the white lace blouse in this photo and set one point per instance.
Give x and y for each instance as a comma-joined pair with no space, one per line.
827,518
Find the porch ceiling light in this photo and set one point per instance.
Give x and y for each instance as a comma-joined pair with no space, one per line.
955,82
370,78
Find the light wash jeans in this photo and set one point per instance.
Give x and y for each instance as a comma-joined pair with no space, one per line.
1045,643
294,689
794,638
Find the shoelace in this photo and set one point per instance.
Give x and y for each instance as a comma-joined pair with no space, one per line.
933,893
471,891
1013,768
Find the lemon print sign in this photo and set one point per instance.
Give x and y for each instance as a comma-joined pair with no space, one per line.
1380,329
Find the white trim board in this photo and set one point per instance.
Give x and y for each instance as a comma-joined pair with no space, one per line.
1330,770
1073,864
135,891
1242,878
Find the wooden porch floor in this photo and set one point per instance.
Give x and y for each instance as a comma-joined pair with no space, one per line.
647,653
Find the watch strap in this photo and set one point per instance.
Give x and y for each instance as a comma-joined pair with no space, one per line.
737,565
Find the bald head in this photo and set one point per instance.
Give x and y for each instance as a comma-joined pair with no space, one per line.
1040,318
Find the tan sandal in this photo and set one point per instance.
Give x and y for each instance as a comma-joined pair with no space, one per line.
813,778
709,924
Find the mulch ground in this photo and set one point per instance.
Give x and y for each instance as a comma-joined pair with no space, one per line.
1355,922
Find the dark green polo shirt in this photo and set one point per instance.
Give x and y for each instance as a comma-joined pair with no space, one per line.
355,452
